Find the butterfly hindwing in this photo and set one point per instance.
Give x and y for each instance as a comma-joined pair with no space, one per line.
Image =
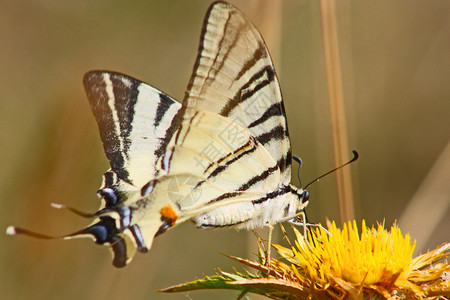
234,76
221,178
136,122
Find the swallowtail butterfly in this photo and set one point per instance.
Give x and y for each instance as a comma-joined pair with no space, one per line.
221,158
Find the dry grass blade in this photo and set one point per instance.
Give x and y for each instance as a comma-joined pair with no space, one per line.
337,111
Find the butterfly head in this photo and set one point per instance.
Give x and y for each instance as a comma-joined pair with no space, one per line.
301,196
304,196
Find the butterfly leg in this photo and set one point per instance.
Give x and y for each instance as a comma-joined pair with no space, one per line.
269,246
264,249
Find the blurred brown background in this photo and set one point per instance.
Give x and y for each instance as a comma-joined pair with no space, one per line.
396,73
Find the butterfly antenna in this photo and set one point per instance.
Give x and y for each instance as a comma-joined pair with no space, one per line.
300,163
13,230
74,210
355,157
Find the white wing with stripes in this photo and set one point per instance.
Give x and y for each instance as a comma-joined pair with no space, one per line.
234,77
134,121
234,80
221,159
230,179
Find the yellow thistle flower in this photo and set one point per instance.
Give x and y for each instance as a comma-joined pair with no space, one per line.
375,261
342,264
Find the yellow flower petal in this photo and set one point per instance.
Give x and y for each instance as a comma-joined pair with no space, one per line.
374,260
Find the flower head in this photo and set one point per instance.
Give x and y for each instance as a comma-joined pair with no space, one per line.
344,264
373,261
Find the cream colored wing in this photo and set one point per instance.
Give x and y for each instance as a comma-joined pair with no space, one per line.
135,121
228,160
222,159
234,76
218,175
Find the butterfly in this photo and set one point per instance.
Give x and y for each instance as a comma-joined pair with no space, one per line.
221,158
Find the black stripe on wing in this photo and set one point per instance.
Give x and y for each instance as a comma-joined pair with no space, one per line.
246,149
265,77
224,42
96,90
225,161
232,157
131,136
258,178
254,180
201,48
281,191
258,54
272,111
285,161
174,125
163,105
212,226
234,77
276,133
125,93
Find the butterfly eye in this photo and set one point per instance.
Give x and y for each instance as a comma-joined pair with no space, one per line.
305,196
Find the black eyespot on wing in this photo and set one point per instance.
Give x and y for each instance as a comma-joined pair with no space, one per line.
103,231
110,195
167,223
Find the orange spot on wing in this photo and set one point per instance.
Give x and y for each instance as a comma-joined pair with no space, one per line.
168,213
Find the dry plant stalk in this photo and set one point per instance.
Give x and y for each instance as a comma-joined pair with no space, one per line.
337,111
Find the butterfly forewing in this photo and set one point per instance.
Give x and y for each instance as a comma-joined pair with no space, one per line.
220,162
234,77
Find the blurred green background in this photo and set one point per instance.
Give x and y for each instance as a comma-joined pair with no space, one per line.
396,69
